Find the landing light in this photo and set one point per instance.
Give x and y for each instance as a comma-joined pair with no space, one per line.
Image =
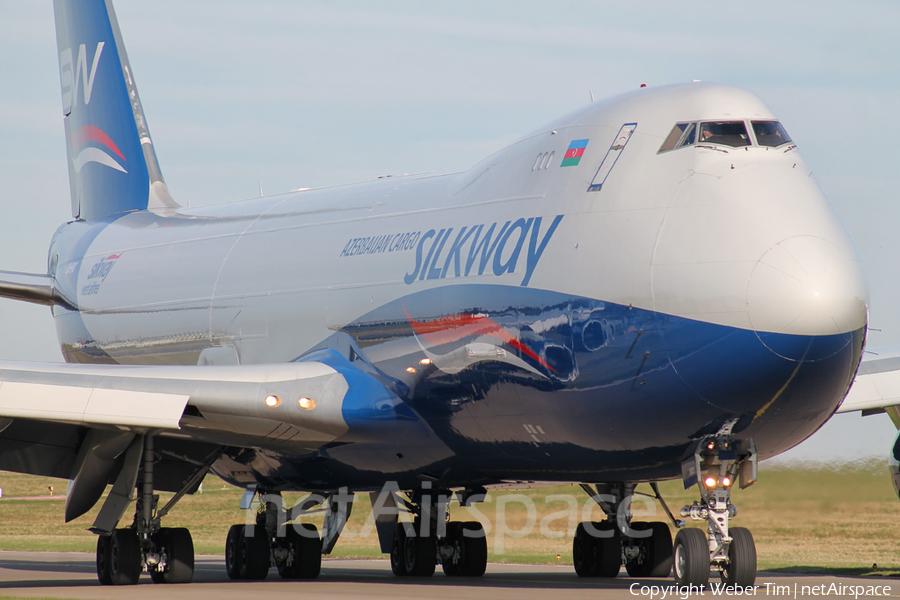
272,400
425,361
726,481
710,482
411,370
306,403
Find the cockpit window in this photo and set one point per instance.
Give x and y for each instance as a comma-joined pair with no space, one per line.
725,133
673,137
689,135
770,133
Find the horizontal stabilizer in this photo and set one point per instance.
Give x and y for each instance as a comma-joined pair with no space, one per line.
30,287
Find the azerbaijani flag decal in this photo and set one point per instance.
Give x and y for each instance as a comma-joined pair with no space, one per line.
574,153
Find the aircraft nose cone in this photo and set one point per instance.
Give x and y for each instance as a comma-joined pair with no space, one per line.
806,285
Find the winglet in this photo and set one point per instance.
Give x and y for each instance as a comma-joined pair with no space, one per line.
112,163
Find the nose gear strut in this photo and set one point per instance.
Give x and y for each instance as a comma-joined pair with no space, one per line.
718,461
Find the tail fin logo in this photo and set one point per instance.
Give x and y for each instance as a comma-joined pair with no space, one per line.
69,76
90,144
89,134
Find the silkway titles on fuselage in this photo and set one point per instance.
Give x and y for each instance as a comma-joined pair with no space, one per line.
473,248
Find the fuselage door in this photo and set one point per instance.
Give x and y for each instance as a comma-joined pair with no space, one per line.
612,155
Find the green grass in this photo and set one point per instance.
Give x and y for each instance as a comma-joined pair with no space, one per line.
804,520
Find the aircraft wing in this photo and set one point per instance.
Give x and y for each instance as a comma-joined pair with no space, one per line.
877,384
222,403
82,422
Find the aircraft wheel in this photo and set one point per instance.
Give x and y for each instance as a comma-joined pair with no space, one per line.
233,551
398,551
253,554
583,552
419,554
306,549
597,550
474,549
103,573
179,548
609,550
741,570
307,552
691,560
655,559
124,557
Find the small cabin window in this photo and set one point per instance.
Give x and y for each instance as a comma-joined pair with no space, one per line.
770,133
724,133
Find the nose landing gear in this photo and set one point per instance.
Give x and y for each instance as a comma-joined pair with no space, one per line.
717,463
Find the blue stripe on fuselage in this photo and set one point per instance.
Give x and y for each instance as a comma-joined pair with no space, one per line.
609,378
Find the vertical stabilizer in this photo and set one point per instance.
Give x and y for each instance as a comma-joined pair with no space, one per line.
112,164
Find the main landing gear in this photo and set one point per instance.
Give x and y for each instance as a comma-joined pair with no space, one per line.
460,547
601,547
294,549
719,460
123,553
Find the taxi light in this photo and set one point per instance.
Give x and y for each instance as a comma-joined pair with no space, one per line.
425,361
726,481
306,403
710,482
711,445
411,370
272,400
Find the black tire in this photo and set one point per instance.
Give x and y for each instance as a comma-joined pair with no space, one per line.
608,550
305,551
124,557
309,552
741,570
254,554
233,552
597,550
474,549
179,548
103,560
420,555
655,559
691,557
398,550
583,552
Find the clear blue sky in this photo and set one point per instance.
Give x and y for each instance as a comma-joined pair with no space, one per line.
310,93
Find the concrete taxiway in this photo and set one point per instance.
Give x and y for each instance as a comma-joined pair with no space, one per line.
72,575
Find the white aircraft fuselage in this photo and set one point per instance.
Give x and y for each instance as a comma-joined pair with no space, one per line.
579,306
